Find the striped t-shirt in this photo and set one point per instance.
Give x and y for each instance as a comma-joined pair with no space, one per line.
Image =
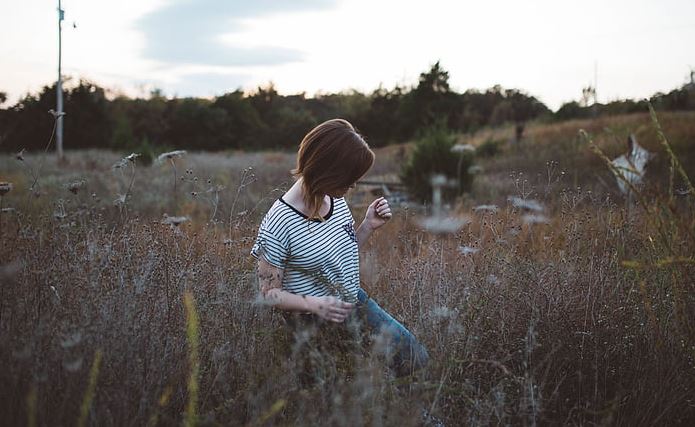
318,257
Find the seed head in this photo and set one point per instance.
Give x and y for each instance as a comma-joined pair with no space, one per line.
5,187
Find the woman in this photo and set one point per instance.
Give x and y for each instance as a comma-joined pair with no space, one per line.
308,249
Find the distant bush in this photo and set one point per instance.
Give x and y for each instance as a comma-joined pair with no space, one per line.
489,148
432,155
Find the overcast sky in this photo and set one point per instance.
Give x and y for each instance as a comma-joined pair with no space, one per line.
549,48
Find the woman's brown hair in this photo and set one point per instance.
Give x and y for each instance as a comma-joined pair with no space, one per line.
331,157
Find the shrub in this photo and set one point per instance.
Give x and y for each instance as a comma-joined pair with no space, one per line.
432,155
489,148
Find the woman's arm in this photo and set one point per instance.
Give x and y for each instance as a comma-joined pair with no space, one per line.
270,284
378,213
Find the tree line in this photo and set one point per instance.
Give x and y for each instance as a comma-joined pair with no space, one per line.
264,119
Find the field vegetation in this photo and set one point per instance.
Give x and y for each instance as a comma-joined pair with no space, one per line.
128,296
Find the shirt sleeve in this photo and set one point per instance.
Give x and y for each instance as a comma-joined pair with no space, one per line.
270,247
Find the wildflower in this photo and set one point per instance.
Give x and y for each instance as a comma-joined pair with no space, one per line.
74,365
174,221
215,189
71,340
463,148
171,155
443,225
132,156
527,204
486,208
120,200
5,187
475,169
124,161
74,187
535,219
467,250
56,114
442,312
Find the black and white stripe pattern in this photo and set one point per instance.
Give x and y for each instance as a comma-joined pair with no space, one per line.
318,258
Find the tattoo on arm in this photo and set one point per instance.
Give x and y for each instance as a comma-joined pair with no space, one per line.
269,278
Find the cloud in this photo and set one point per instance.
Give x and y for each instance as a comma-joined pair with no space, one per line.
189,32
205,84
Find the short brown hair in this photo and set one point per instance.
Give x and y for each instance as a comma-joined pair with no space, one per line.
332,156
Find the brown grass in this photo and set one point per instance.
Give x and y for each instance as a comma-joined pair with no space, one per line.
584,320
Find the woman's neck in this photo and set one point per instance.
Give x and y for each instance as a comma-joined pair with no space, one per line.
295,198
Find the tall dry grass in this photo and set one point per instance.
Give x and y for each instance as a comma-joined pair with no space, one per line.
579,314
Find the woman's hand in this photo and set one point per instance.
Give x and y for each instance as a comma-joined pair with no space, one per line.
331,308
378,213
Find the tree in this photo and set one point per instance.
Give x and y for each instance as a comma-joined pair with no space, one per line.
431,101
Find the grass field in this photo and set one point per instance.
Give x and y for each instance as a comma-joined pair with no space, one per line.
581,312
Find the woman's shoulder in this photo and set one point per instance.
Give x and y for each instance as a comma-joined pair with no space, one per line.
278,214
340,206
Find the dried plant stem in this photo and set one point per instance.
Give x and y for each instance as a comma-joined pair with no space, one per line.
674,160
192,335
48,144
31,406
91,388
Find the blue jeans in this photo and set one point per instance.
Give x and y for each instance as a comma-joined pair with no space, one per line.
404,352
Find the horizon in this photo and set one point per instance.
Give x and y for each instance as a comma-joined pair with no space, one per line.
207,48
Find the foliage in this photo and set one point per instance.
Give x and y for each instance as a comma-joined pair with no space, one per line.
433,155
489,148
264,119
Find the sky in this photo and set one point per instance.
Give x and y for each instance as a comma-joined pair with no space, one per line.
547,48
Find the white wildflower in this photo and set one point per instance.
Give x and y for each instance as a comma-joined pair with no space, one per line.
468,250
174,221
120,199
535,219
74,187
463,148
528,204
170,155
443,225
442,312
486,208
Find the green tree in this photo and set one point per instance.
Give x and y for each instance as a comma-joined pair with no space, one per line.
433,155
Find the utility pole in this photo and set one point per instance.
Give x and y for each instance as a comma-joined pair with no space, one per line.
59,87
